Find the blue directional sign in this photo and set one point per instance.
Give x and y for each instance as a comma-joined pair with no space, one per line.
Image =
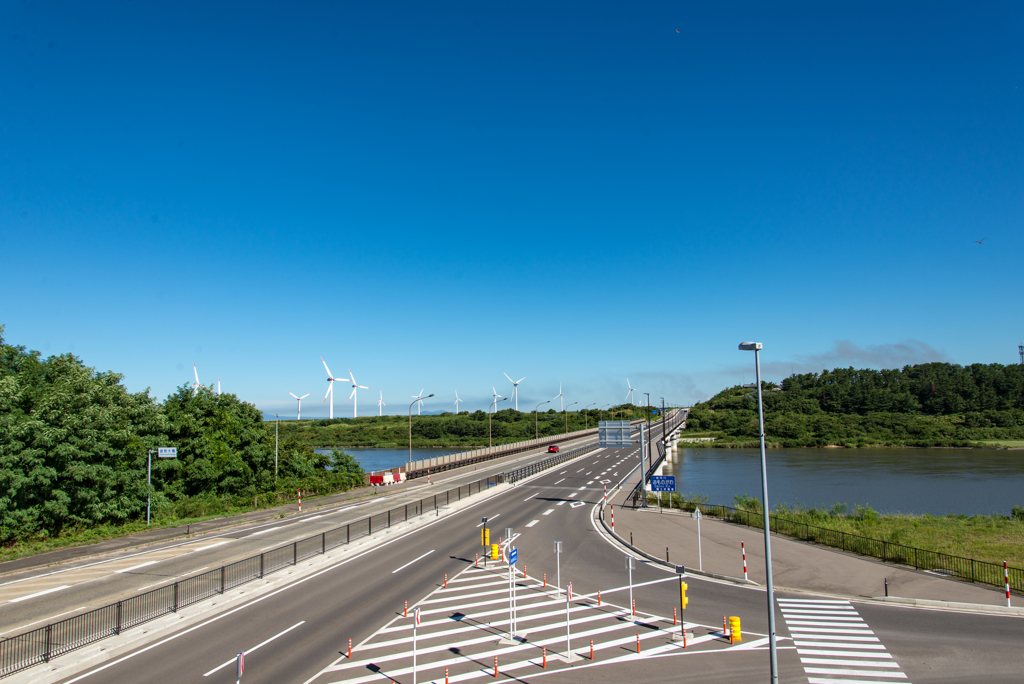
663,483
167,452
513,556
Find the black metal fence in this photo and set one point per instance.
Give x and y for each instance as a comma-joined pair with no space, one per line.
957,567
45,643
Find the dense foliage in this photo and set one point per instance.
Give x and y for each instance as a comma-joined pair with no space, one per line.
933,404
74,442
447,430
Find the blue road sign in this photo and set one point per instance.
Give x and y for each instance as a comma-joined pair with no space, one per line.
663,483
167,452
513,556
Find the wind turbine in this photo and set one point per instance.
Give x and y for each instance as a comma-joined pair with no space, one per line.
380,404
515,389
330,386
299,417
195,385
352,396
559,397
419,401
457,400
218,387
629,394
496,398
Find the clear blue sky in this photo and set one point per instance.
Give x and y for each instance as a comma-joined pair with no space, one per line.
433,194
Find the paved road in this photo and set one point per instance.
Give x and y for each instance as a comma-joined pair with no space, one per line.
302,630
43,593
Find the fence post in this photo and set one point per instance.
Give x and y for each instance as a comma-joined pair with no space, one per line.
295,553
323,543
49,630
389,518
406,511
117,629
348,533
222,569
261,564
175,602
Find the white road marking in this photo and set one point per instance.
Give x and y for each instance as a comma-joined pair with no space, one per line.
562,480
589,483
531,496
135,567
573,495
548,512
207,548
561,503
563,472
583,487
171,579
38,593
247,652
577,504
269,529
413,561
532,523
489,519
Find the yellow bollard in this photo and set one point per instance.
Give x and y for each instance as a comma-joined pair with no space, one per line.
735,633
495,552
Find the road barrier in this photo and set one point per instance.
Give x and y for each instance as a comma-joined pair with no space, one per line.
41,645
938,563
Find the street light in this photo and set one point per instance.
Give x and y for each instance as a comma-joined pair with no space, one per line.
536,430
756,348
409,465
648,395
600,411
493,403
586,418
566,415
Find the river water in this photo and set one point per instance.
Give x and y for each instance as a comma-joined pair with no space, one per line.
936,481
383,459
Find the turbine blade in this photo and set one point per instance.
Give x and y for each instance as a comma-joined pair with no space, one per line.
330,384
353,394
196,372
329,373
305,395
350,377
520,379
361,386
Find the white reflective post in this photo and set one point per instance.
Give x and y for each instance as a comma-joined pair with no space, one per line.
629,565
558,565
700,557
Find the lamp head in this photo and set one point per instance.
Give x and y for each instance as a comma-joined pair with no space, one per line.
750,346
428,396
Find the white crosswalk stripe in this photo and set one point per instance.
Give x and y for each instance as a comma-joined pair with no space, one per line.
819,626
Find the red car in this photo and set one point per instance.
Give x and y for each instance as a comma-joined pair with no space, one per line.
553,449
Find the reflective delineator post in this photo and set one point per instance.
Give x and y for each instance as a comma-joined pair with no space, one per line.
446,675
405,610
446,580
613,517
743,548
350,649
634,607
638,643
598,597
591,650
239,666
495,666
545,580
300,501
674,623
1006,579
476,560
544,662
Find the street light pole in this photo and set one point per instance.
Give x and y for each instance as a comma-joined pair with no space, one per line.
409,464
277,422
756,348
600,412
566,416
664,436
586,419
149,486
648,395
536,429
489,419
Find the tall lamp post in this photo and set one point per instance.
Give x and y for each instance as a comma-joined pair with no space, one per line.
648,395
536,430
586,419
409,464
566,416
600,411
756,348
489,414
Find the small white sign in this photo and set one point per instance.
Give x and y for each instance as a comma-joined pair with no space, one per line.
167,452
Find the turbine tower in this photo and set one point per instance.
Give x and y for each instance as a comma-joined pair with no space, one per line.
352,397
195,385
515,389
380,404
629,394
299,417
419,401
457,400
330,386
496,398
559,397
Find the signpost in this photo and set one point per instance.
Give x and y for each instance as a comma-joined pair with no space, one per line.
614,433
558,565
681,570
513,556
700,559
663,483
161,452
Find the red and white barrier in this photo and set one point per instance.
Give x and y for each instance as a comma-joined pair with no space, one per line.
613,517
1006,579
743,547
300,501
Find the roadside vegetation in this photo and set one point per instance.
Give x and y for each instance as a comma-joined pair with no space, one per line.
992,538
73,455
928,405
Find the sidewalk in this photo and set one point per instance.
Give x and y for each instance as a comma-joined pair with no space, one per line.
796,564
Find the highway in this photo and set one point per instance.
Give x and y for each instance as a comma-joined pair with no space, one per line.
299,633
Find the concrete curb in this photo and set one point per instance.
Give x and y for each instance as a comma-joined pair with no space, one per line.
113,647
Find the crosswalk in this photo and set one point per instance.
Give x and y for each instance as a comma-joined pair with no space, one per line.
466,633
835,645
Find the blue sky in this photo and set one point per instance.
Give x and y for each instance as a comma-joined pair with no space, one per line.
432,194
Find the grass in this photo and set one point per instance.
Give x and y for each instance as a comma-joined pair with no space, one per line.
1009,443
993,538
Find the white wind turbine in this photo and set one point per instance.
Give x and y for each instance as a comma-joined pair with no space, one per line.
559,397
299,417
330,386
457,400
419,401
515,389
195,385
218,387
496,398
629,394
352,397
381,404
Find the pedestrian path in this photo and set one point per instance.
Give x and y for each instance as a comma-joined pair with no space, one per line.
835,645
466,632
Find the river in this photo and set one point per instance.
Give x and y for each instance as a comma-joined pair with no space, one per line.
383,459
936,481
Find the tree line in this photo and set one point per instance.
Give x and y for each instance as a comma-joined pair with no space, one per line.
932,404
74,443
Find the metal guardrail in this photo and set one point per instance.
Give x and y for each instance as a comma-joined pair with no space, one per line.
956,567
45,643
491,453
527,471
